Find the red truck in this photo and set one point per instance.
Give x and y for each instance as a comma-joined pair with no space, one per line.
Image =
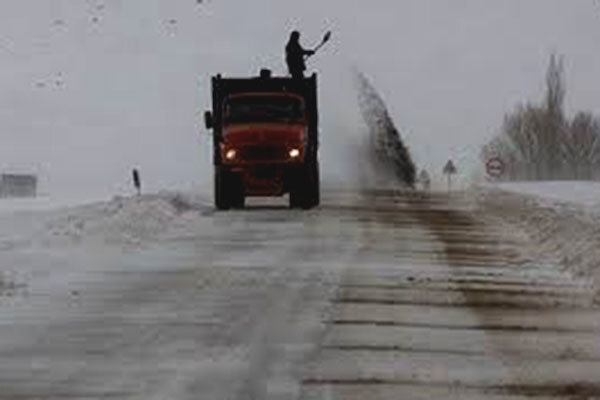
265,138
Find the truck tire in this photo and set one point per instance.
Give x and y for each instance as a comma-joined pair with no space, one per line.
222,200
314,186
295,197
238,200
297,188
305,190
229,190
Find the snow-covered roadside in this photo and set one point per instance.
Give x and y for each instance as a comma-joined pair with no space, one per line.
182,301
563,225
582,195
125,221
46,247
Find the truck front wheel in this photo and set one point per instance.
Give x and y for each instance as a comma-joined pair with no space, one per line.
229,190
222,200
314,186
305,188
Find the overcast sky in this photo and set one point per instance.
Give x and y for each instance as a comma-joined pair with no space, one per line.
92,88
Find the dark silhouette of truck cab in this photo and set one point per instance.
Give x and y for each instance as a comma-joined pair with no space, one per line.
265,137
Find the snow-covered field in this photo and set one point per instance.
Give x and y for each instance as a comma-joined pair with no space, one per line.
581,193
45,203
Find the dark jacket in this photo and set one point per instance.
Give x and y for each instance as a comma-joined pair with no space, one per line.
294,56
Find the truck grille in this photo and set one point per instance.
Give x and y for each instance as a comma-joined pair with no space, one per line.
264,153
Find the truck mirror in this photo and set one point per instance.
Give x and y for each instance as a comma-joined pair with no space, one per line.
208,120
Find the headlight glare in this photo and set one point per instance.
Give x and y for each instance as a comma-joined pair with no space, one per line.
230,155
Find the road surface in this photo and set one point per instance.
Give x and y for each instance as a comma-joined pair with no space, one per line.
374,295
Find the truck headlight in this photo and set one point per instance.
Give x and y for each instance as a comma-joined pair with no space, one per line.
230,155
294,153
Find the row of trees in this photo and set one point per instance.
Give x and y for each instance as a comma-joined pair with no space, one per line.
389,151
538,142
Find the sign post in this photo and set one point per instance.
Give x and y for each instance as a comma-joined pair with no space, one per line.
137,183
449,170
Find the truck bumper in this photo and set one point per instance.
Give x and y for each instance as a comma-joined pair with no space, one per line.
267,179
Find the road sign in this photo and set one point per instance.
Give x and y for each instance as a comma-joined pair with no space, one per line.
494,167
450,169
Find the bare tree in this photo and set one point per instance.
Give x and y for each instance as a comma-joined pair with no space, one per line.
554,128
522,129
539,142
555,87
582,148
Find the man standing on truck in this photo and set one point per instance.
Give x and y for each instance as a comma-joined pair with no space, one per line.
294,56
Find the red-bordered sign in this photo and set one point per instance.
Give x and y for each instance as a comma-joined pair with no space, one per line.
494,167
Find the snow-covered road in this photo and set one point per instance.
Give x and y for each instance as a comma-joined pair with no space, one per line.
373,295
158,298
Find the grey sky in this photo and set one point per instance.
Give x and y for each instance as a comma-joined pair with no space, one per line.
92,88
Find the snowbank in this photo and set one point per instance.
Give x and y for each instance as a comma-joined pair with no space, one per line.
564,225
129,221
580,193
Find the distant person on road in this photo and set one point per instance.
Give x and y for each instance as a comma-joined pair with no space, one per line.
294,56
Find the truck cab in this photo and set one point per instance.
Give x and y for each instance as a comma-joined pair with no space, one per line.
265,140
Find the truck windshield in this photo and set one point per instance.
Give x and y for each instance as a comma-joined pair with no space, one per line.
264,109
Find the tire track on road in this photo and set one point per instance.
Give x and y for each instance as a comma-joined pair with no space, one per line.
455,330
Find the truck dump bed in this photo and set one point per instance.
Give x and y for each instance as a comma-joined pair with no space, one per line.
222,88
